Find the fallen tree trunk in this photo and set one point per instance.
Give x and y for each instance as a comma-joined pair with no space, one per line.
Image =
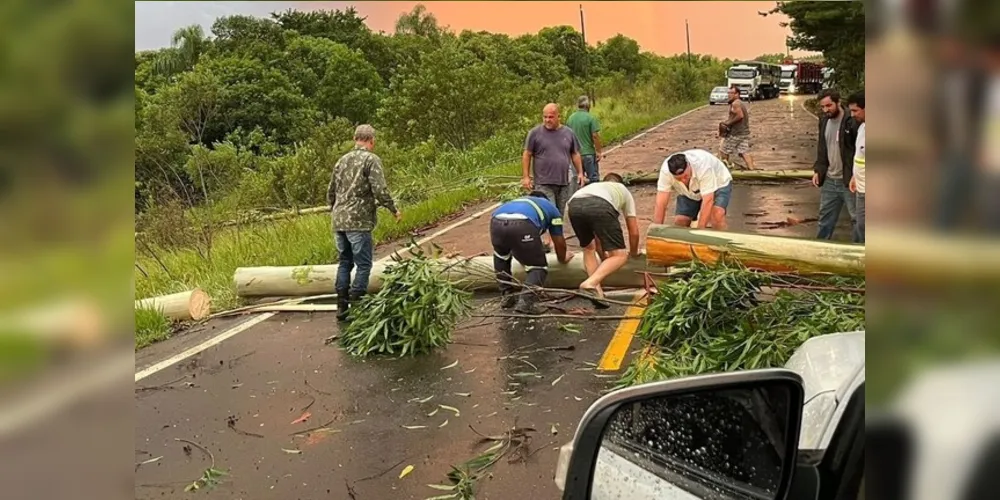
474,273
739,175
185,306
668,246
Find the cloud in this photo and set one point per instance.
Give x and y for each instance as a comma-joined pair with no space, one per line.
155,22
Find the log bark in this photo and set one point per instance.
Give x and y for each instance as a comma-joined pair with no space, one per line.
668,246
470,274
740,175
183,306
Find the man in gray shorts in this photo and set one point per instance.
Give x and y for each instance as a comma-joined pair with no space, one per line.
550,150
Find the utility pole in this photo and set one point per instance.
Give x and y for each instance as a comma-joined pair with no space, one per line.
687,32
586,57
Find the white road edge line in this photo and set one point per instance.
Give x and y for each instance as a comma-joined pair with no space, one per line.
246,325
242,327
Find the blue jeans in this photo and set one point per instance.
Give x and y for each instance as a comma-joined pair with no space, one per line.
355,248
690,208
834,195
591,168
859,226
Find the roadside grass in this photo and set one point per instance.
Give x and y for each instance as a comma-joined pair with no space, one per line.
307,240
151,326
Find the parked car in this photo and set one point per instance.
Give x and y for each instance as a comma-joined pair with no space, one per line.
719,95
763,434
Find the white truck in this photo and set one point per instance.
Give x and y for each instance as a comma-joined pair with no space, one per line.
755,79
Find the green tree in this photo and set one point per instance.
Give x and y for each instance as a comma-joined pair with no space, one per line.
621,53
339,80
187,46
565,42
256,94
345,27
451,96
771,58
837,29
418,22
250,36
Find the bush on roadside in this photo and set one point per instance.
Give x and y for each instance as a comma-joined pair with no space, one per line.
413,313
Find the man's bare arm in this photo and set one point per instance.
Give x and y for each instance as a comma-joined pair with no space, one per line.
706,210
598,147
738,115
632,224
660,212
526,170
578,163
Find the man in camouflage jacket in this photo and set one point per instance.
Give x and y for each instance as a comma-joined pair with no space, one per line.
357,186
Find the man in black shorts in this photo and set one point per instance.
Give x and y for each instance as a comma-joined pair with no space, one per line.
516,232
594,211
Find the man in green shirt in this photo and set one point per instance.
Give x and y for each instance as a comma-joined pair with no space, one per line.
587,130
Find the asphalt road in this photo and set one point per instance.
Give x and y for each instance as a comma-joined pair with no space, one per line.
510,372
275,372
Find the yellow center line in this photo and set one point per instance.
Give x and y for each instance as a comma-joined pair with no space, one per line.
614,354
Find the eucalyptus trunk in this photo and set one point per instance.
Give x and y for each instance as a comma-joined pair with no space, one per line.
669,246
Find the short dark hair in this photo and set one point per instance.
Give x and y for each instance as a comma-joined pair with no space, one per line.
613,177
858,99
832,94
538,194
677,163
734,87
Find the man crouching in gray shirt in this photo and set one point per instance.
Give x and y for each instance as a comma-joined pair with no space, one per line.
554,149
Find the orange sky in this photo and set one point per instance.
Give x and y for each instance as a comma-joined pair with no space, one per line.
723,29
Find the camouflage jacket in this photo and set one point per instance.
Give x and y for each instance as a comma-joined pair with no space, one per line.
357,186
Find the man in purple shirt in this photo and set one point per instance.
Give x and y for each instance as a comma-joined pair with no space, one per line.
552,149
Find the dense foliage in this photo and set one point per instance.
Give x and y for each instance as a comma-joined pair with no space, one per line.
254,114
713,318
412,313
837,29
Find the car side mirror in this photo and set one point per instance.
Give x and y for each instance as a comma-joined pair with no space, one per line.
720,436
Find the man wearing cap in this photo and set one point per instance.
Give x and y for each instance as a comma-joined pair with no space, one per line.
588,132
703,184
516,232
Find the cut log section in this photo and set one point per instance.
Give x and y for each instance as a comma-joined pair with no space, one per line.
668,246
739,175
474,273
183,306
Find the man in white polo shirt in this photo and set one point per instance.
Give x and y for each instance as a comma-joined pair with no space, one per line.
703,185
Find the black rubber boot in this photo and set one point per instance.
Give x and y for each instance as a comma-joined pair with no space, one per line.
343,305
528,304
508,299
356,298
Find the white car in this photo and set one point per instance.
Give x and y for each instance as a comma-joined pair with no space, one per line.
719,95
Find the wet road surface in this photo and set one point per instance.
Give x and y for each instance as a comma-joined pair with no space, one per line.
527,373
270,376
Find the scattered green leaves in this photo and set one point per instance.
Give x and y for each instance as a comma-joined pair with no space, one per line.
570,327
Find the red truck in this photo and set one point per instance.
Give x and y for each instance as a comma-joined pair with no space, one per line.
801,77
